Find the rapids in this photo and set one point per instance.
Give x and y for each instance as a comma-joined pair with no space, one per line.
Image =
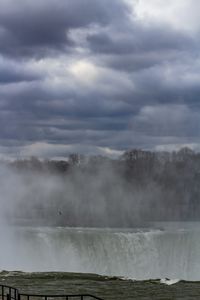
171,251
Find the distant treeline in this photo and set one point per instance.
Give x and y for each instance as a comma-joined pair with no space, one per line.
138,186
141,160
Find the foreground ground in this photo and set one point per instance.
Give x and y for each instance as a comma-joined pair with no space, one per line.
104,287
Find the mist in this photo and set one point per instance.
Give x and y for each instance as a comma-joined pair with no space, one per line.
103,193
100,197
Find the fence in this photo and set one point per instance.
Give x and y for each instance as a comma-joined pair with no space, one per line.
11,293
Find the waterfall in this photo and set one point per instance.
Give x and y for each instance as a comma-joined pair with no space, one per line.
139,254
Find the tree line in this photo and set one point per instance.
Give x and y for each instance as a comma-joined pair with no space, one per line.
138,186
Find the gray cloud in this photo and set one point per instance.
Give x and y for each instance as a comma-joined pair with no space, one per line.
12,72
138,38
39,28
89,76
166,120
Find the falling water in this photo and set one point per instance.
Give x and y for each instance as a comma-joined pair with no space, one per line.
139,253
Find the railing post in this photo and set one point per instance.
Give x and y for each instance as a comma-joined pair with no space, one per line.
19,296
8,296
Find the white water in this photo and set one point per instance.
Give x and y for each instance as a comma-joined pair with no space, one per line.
173,252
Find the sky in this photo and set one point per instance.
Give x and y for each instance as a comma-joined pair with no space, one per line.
98,77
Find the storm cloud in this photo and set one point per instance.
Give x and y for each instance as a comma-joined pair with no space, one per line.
98,77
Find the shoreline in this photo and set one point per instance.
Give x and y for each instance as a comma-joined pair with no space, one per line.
108,288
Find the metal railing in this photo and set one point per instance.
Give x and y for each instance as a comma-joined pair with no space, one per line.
11,293
8,292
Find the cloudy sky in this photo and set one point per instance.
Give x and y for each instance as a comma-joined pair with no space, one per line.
98,76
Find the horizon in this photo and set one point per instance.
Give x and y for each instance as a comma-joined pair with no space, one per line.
66,158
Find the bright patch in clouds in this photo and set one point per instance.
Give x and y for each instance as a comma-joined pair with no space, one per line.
84,71
181,14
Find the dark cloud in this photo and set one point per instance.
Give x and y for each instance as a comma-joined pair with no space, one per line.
8,76
137,39
14,73
38,28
